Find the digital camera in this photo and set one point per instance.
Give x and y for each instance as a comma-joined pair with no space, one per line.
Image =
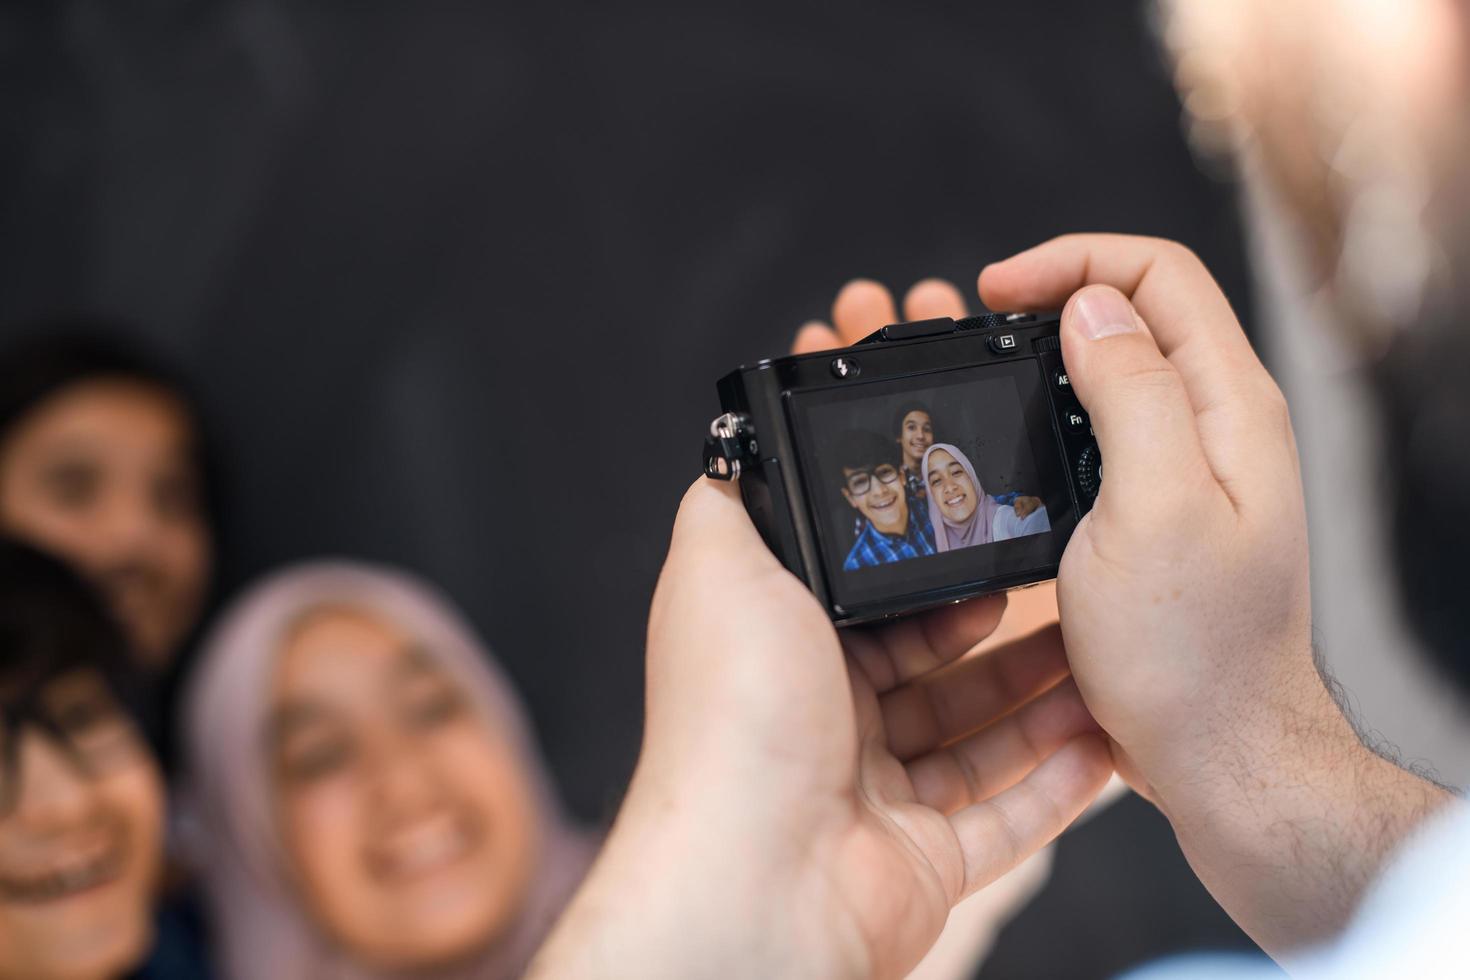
931,462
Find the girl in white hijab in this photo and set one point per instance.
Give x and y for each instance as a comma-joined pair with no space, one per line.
961,513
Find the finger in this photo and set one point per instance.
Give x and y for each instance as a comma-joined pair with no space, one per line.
1003,831
1141,413
703,702
711,521
1027,610
984,914
1242,413
940,707
998,756
932,298
1171,288
813,337
896,653
862,307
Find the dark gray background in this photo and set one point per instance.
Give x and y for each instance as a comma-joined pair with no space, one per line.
402,249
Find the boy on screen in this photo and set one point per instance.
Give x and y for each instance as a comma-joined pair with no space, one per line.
873,486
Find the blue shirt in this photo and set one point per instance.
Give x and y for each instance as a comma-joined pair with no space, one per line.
873,547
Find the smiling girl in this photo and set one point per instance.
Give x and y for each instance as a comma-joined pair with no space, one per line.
960,511
371,798
914,424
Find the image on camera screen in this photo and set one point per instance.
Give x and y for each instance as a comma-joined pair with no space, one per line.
904,472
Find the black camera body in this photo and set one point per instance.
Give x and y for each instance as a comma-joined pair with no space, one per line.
827,451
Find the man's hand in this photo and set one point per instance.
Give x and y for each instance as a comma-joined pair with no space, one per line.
813,804
1188,623
862,307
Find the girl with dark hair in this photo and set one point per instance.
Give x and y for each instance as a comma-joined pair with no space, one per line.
101,463
914,430
914,427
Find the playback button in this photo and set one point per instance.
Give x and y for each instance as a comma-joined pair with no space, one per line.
1002,343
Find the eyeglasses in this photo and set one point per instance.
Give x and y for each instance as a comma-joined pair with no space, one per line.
860,483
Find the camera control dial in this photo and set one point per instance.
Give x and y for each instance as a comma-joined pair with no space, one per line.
1089,471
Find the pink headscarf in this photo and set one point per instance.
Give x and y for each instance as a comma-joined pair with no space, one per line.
949,536
261,925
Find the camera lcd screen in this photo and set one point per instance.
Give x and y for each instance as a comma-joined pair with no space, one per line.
931,481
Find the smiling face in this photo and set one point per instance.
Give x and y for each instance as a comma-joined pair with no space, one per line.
408,818
915,436
878,494
950,487
103,474
80,841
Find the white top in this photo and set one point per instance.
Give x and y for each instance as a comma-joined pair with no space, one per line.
1007,525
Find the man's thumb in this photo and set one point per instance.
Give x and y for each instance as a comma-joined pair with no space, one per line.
1139,408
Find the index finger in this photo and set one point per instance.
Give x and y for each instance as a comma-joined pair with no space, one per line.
895,653
1184,308
999,833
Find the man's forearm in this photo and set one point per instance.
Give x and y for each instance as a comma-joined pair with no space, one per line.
1288,827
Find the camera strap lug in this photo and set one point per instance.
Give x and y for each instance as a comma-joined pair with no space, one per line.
729,445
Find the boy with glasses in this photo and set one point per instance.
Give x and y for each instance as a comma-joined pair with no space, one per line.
874,487
81,796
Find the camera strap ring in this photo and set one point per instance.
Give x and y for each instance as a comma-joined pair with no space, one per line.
730,444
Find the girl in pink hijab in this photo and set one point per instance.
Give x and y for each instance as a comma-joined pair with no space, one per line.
366,795
961,513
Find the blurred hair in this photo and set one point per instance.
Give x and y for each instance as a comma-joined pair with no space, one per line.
912,405
52,623
55,354
861,450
